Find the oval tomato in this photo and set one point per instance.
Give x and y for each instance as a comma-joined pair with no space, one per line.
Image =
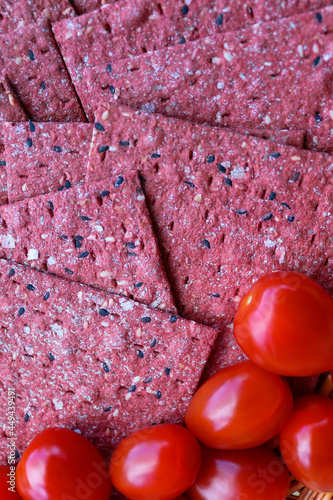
157,463
8,489
285,325
240,407
255,474
59,463
306,442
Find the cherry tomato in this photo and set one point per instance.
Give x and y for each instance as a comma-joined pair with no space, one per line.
285,325
240,407
157,463
59,464
255,474
306,442
8,489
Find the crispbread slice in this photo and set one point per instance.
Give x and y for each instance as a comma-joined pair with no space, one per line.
226,209
35,68
45,157
93,362
99,234
275,75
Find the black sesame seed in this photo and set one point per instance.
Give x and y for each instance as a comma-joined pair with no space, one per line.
104,193
43,85
285,205
26,417
222,168
146,319
167,371
84,217
228,182
296,176
47,296
83,255
64,237
11,273
124,143
211,159
316,61
109,68
132,254
32,126
132,388
158,394
51,357
148,380
190,184
29,142
21,311
153,343
31,55
68,184
119,181
267,216
2,163
99,126
57,149
182,40
275,155
68,271
219,19
156,155
241,211
185,10
173,318
317,118
109,408
129,244
112,89
17,455
105,367
272,196
140,353
31,287
61,188
215,295
50,204
78,237
104,312
291,218
206,244
137,285
319,17
102,149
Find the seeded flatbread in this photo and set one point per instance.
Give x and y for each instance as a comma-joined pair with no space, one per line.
45,157
99,235
274,75
226,209
35,68
91,361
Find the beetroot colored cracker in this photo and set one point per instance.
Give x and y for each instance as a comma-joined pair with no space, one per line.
99,235
226,209
94,362
45,157
275,75
18,13
38,75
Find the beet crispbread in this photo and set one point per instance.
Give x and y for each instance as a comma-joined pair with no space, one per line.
226,209
93,361
246,79
35,68
99,234
45,157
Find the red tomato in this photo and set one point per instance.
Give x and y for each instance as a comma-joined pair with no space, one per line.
240,407
61,464
306,442
8,484
157,463
285,325
255,474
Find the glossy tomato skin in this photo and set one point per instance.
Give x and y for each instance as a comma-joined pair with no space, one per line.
61,464
157,463
6,482
285,325
255,474
306,442
241,406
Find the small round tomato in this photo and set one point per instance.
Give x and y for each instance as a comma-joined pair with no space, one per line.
306,442
285,325
60,463
8,483
255,474
240,407
157,463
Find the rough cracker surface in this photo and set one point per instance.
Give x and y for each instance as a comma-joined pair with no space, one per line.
35,68
106,375
55,157
226,210
274,75
99,235
18,13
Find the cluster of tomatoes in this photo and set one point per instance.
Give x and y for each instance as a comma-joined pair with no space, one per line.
285,326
